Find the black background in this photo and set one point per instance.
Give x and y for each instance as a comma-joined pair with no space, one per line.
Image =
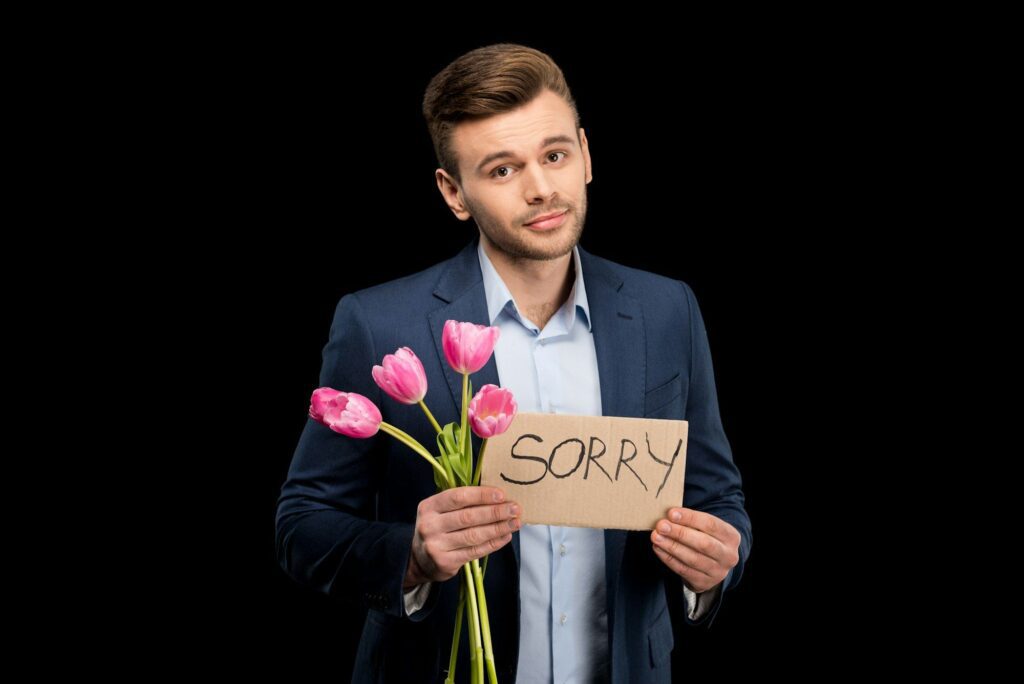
734,167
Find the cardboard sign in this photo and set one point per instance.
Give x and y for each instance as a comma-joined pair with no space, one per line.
586,471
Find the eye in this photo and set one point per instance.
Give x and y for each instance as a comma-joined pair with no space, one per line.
556,153
499,175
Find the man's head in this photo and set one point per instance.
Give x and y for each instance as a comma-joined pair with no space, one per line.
507,137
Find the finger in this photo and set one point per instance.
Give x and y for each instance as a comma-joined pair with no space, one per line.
694,559
705,522
699,520
697,541
476,536
480,550
696,579
466,518
461,497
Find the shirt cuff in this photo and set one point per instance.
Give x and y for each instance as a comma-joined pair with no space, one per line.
416,597
699,604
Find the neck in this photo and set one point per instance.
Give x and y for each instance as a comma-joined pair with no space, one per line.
539,287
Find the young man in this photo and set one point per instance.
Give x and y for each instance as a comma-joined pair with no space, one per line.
579,334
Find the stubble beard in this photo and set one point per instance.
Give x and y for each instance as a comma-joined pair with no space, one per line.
520,243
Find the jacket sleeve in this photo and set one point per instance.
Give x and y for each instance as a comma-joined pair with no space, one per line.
713,482
326,535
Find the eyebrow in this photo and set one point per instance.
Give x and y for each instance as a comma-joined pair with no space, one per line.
505,153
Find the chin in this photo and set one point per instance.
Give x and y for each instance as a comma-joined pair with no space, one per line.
549,249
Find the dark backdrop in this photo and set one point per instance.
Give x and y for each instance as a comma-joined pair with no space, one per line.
725,167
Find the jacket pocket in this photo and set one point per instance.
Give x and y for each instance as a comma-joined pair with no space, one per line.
663,395
399,650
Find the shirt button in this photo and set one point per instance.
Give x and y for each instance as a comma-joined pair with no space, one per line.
561,549
563,618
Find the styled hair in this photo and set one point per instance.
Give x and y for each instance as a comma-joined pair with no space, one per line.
483,82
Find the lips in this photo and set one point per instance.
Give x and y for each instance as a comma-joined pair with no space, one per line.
547,221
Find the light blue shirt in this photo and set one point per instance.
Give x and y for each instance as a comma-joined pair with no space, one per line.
562,569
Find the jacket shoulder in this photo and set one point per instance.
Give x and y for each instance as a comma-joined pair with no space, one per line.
395,313
413,288
645,286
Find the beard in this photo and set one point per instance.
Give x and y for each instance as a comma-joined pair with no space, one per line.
519,242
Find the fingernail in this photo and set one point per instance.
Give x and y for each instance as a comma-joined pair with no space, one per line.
664,528
676,516
658,538
499,496
514,523
513,509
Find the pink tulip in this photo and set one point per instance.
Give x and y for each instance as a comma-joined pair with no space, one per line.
491,411
324,398
402,376
468,346
351,414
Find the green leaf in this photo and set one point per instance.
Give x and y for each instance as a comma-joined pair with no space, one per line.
445,460
467,452
448,441
438,480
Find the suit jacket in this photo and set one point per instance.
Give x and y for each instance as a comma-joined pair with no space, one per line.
347,509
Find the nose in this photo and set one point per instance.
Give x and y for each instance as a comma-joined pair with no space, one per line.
538,188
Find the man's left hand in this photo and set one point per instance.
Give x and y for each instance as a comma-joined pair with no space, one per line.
697,546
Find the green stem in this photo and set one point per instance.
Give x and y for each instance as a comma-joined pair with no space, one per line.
473,679
485,624
430,415
465,421
454,657
484,571
415,446
479,463
476,657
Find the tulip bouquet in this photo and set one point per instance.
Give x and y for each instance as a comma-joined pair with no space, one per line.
467,347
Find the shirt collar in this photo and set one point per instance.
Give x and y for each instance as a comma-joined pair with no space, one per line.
499,298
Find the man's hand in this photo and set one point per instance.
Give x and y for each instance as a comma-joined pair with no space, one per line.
456,526
698,547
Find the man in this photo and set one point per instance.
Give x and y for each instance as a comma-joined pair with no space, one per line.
579,334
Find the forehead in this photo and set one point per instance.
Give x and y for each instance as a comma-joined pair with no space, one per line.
520,131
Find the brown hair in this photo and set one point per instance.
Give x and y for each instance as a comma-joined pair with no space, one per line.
483,82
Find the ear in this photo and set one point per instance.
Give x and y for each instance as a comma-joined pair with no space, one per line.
586,154
451,193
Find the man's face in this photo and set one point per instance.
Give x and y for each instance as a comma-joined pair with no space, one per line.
517,167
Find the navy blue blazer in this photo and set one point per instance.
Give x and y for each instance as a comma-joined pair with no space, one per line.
346,512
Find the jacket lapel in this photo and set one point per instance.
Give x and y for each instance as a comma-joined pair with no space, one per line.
461,289
619,339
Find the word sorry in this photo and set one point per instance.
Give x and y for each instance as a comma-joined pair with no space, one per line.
575,448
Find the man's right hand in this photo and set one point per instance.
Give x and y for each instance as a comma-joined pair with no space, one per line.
456,526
